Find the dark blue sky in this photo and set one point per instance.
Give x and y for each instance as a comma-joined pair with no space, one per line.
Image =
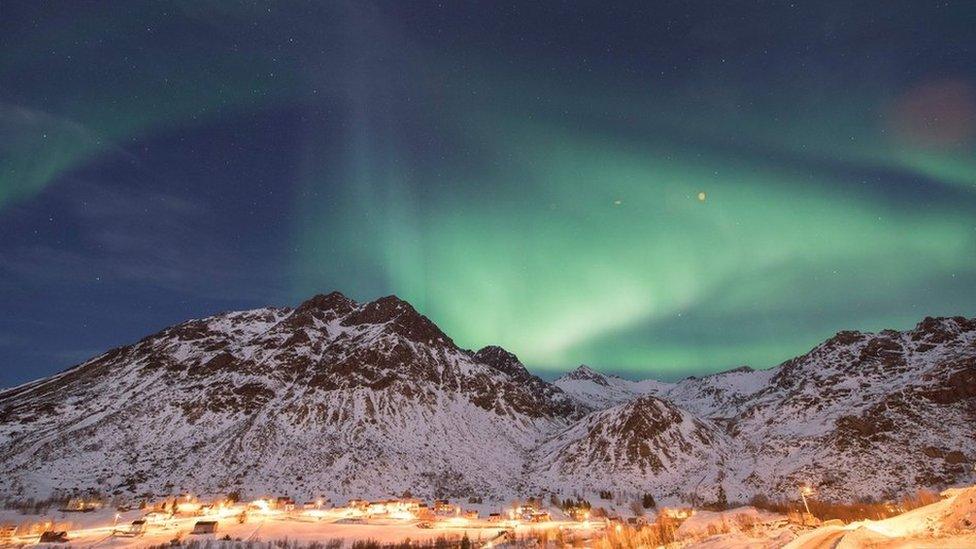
654,190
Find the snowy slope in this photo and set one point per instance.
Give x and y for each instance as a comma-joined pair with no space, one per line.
950,522
345,399
646,444
599,391
333,397
720,394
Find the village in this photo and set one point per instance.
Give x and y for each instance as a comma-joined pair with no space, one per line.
408,522
174,521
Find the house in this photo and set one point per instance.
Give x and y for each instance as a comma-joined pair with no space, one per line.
154,517
82,505
376,508
188,508
205,527
679,513
360,504
579,514
539,516
495,517
396,508
412,504
471,514
51,536
259,505
285,503
444,507
137,528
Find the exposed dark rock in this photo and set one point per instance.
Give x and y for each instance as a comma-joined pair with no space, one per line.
501,360
402,318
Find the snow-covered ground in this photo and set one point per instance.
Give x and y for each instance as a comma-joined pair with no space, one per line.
948,523
95,529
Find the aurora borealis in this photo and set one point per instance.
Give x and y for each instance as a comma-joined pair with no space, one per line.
525,175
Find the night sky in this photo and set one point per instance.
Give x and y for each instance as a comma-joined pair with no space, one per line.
654,190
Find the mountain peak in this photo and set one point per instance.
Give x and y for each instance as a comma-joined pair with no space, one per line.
647,415
321,307
585,373
401,317
413,398
744,369
501,360
333,301
942,329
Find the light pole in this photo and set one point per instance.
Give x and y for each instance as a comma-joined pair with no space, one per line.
805,491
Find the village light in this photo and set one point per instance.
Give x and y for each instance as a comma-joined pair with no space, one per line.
262,505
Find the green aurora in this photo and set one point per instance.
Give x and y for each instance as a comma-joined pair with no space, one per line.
589,248
546,205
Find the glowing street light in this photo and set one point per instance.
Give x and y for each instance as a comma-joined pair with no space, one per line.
806,490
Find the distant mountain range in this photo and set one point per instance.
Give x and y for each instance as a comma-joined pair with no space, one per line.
344,399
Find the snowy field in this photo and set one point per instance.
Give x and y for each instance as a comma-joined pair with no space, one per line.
947,524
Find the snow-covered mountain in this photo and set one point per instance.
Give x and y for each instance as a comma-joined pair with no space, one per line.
598,391
362,400
647,444
859,415
712,395
877,413
333,397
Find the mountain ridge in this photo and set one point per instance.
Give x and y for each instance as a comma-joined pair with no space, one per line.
371,399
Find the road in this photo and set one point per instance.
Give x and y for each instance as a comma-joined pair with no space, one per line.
821,538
